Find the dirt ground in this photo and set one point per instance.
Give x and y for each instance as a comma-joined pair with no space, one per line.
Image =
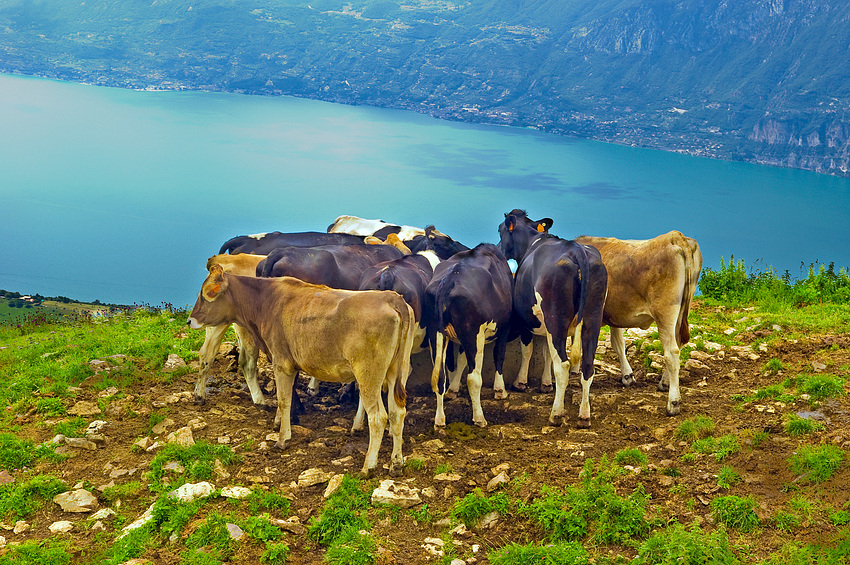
518,435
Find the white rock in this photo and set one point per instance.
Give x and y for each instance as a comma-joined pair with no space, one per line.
236,492
333,485
173,363
183,437
20,527
399,494
497,481
138,523
102,514
79,500
61,527
192,491
447,477
235,531
312,477
84,409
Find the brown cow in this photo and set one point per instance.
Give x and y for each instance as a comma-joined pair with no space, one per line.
333,335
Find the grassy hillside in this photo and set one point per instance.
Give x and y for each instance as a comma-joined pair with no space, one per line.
753,80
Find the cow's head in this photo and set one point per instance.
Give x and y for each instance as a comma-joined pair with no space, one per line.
518,231
210,308
433,240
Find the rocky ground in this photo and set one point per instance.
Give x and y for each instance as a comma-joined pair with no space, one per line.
519,445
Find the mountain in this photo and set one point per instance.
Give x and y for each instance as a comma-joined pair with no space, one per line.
763,81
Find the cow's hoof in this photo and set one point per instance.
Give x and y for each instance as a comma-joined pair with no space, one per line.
673,409
556,419
519,387
583,423
396,470
628,380
440,430
266,407
482,423
365,473
500,394
199,400
450,394
281,444
546,389
663,387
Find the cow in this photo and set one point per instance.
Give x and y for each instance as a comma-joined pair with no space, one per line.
558,283
414,238
651,280
337,266
334,335
468,301
265,243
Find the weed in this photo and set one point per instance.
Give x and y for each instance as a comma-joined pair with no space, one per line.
672,472
422,515
819,386
735,512
720,447
773,366
840,518
415,464
759,438
679,490
727,477
817,464
170,515
198,461
34,552
694,428
259,528
20,500
391,511
122,492
677,545
18,453
566,553
786,521
259,501
632,456
353,547
50,407
341,512
213,536
71,427
275,554
475,505
443,468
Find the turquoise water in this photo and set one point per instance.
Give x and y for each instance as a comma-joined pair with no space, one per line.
121,196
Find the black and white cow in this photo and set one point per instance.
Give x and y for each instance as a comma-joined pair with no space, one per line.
468,301
416,239
265,243
560,288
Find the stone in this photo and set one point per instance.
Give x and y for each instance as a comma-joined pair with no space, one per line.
96,427
488,520
61,527
497,481
236,492
144,443
398,494
80,443
692,364
173,363
429,492
196,424
503,468
818,366
182,436
102,514
162,426
111,391
97,439
234,531
333,485
138,523
20,527
447,477
219,469
84,409
192,491
292,525
79,500
312,477
433,444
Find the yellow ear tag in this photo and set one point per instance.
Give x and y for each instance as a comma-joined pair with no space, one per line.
216,288
511,227
540,228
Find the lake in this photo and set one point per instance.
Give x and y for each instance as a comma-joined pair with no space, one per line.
121,196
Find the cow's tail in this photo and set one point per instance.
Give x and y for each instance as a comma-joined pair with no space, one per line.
404,349
387,280
584,281
683,330
231,244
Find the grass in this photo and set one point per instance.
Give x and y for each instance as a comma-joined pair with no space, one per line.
344,511
694,428
19,501
795,426
198,461
817,464
736,512
18,453
727,477
677,545
34,552
631,456
474,506
566,553
720,447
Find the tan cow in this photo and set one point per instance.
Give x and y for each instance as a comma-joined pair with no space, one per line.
243,264
333,335
650,280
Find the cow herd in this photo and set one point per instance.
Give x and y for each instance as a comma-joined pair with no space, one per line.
317,303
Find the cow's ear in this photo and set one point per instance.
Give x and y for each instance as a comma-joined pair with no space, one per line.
214,284
510,223
544,224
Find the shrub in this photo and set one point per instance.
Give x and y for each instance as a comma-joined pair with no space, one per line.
817,464
632,456
694,428
727,477
567,553
341,512
796,426
20,500
676,545
735,512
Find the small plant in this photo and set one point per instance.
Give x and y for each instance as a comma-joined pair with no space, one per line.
275,554
677,545
819,386
213,536
34,552
727,477
566,553
353,547
18,453
260,501
259,528
720,447
50,407
817,464
475,505
415,464
632,456
72,427
735,512
694,428
20,500
198,461
422,515
443,468
840,518
773,366
786,521
124,491
342,512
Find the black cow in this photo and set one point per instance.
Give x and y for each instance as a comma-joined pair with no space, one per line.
265,243
468,301
336,266
560,288
441,244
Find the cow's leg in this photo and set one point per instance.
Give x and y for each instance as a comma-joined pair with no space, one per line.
313,387
370,395
618,343
473,379
562,372
667,335
499,360
397,412
284,377
249,353
206,355
357,425
521,380
546,377
438,383
454,377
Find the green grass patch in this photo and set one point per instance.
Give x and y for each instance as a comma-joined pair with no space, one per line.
265,501
773,366
817,464
275,554
344,510
631,456
18,501
694,428
735,512
727,477
819,386
71,427
474,506
677,545
795,426
720,447
198,461
565,553
19,453
35,552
